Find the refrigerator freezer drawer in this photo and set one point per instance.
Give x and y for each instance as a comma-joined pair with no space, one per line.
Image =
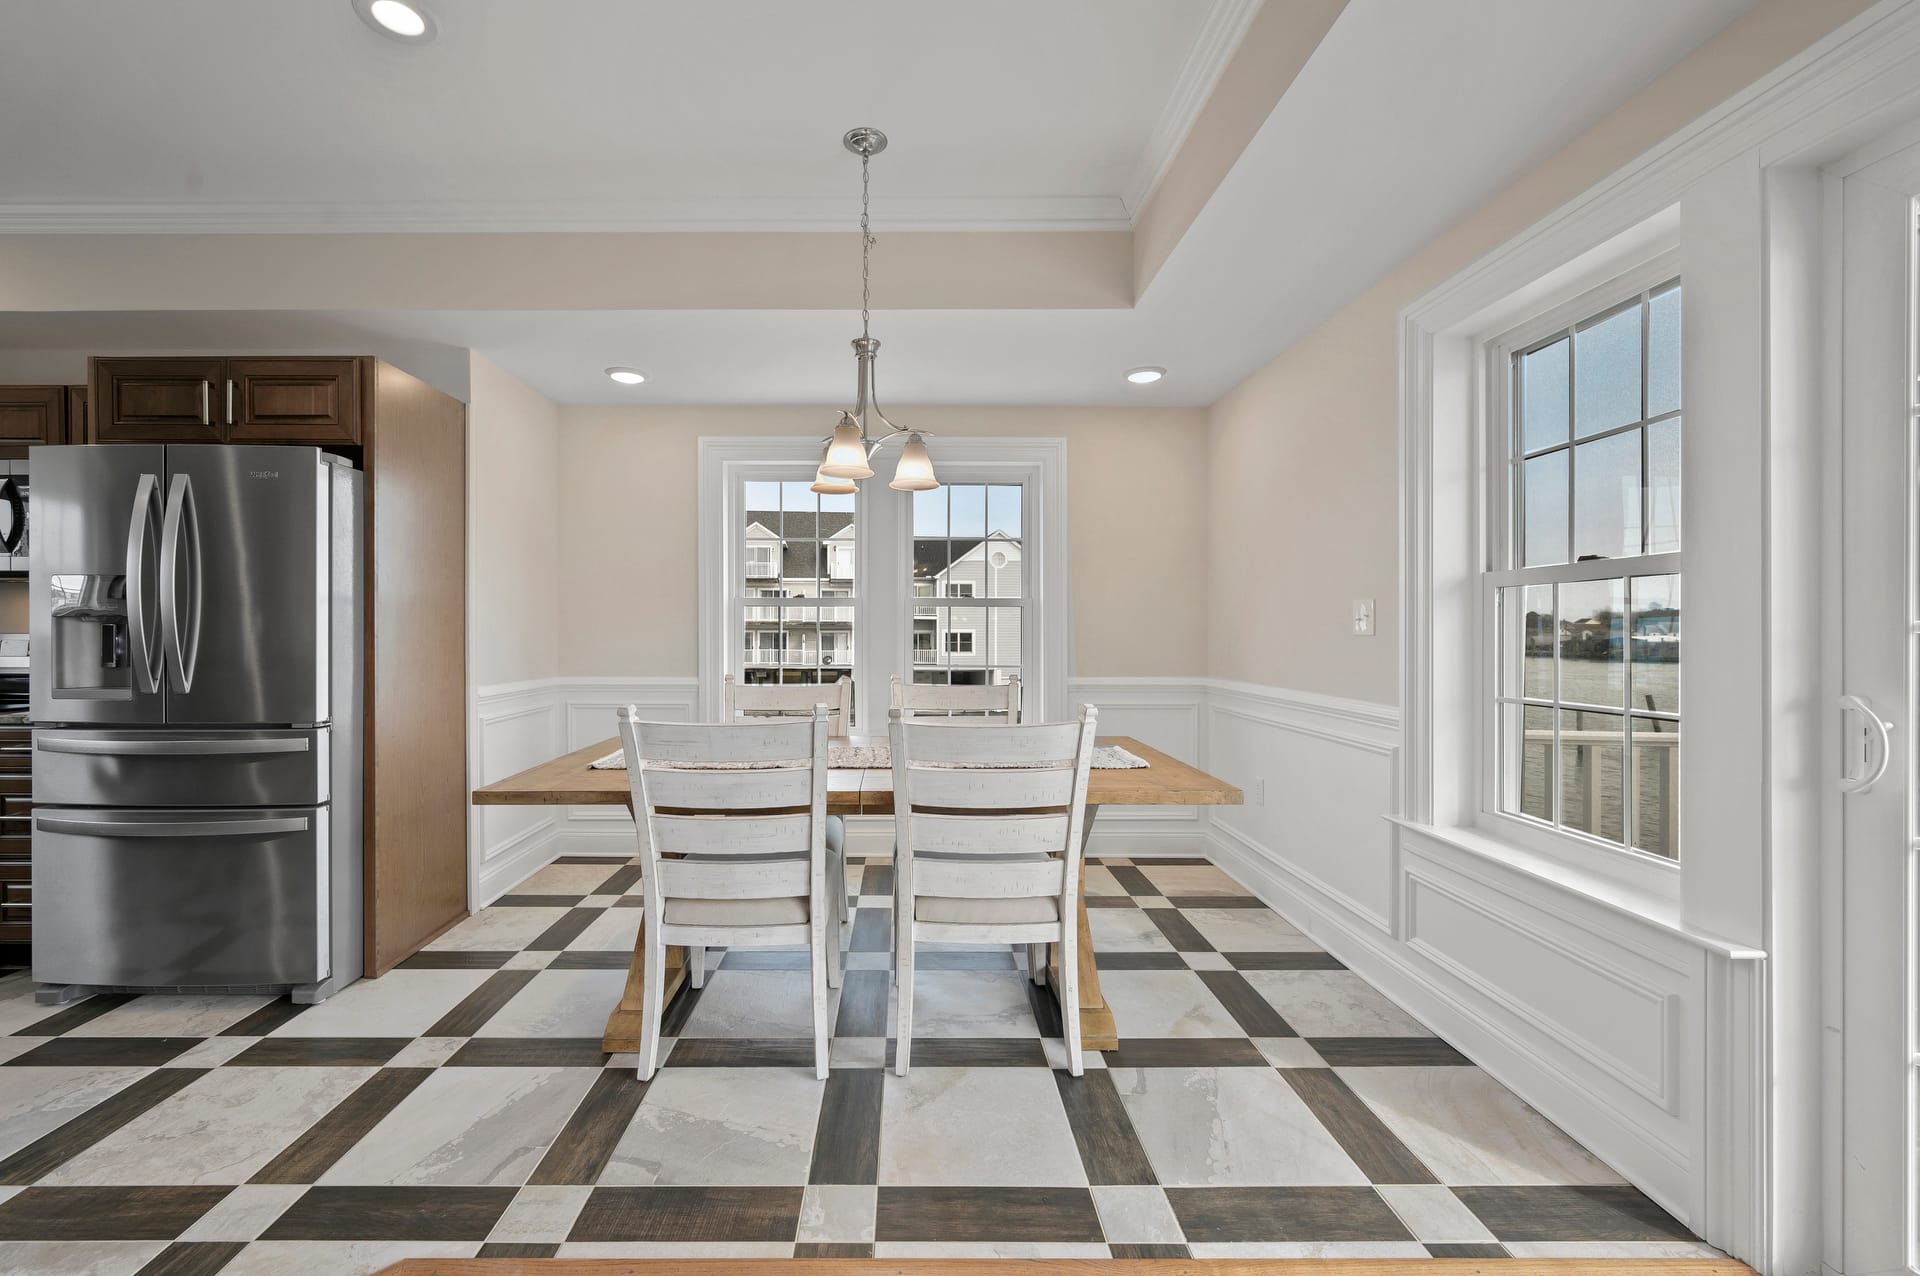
171,767
180,898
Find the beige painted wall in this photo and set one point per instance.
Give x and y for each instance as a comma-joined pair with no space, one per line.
513,529
1302,489
1136,481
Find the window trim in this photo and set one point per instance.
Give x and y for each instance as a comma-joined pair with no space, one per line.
1496,515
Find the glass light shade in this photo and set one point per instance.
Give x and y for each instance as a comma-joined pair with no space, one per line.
847,453
826,485
915,471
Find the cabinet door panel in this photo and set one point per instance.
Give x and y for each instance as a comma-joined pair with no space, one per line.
295,400
33,413
157,400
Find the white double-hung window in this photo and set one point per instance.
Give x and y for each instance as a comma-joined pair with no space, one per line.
1584,571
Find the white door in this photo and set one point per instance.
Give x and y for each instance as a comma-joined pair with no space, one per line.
1878,1060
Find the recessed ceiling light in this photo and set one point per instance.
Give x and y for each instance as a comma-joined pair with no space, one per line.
626,376
401,20
1146,376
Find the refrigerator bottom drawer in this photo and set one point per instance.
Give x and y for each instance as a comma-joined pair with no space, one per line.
168,898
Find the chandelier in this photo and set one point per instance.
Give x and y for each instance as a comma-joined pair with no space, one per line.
849,453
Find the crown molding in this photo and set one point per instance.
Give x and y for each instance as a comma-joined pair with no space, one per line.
1065,212
1226,24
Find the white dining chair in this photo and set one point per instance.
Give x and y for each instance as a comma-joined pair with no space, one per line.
752,700
997,702
987,843
733,849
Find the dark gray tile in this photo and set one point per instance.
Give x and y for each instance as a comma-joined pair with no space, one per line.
680,1009
1571,1213
1110,901
73,1016
1388,1052
184,1258
328,1139
537,901
1109,1149
620,881
1215,901
1046,1008
104,1052
585,1144
1377,1150
565,930
1458,1250
742,1052
872,931
1185,1052
1254,1013
1139,961
314,1052
863,1004
822,1249
876,881
1179,931
961,1214
846,1143
1285,961
1148,1251
503,1249
456,959
592,959
58,1146
105,1213
1243,1215
689,1214
974,1052
481,1004
270,1016
529,1052
1132,880
392,1214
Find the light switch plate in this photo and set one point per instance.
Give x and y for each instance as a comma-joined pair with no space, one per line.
1363,617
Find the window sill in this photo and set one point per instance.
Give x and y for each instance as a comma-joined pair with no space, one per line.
1638,903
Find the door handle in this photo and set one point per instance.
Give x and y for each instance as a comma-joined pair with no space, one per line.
1882,730
169,748
182,527
144,635
171,828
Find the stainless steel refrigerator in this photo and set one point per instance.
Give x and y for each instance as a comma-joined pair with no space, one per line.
197,621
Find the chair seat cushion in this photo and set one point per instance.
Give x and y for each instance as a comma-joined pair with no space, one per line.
736,912
941,908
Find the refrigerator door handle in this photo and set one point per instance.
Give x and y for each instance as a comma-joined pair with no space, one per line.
16,515
171,828
181,615
143,635
48,743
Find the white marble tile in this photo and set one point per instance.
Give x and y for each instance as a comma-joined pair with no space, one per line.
497,929
1249,930
1125,930
541,1214
1137,1216
10,1191
1152,901
38,1101
401,1003
831,1214
569,879
1311,1249
1101,881
1434,1214
987,1249
615,930
1166,1003
78,1258
470,1127
1289,1052
857,1052
750,1126
559,1003
338,1258
1207,961
972,1003
1642,1250
600,901
18,1009
869,961
1229,1127
753,1003
933,1120
245,1212
13,1047
1470,1129
1198,878
1333,1003
674,1249
426,1052
211,1052
220,1129
197,1015
527,960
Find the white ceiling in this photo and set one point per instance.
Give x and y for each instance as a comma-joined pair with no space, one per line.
1407,117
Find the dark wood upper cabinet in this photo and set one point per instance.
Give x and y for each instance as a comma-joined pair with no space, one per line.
157,400
294,400
33,413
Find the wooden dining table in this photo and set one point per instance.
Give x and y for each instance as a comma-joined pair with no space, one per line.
572,781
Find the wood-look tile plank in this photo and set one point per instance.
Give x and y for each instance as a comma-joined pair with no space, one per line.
1388,1052
456,959
328,1139
103,1052
529,1052
537,901
1571,1213
591,959
481,1004
105,1213
1148,1251
974,1052
193,1258
1004,1214
872,930
1376,1149
1180,932
73,1016
1133,880
863,1004
846,1142
585,1144
1046,1009
742,1052
620,881
58,1146
1461,1249
1109,1148
1139,961
828,1249
317,1052
1285,961
1225,1215
689,1214
1254,1013
392,1213
1186,1052
506,1249
564,931
273,1015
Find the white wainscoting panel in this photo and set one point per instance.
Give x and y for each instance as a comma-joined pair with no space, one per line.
588,707
1166,713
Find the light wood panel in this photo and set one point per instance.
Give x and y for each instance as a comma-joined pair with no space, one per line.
416,847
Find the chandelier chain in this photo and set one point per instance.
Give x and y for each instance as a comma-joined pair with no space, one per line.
866,250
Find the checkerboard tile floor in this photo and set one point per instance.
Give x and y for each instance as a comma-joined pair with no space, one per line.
1265,1101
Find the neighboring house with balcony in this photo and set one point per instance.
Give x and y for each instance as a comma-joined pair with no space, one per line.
799,562
972,644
